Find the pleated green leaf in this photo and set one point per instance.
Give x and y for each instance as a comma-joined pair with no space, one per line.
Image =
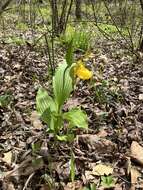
62,84
76,118
45,105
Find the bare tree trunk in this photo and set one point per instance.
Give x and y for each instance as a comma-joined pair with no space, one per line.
78,9
55,20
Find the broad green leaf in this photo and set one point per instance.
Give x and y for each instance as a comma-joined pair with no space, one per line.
46,116
45,105
62,84
44,101
76,117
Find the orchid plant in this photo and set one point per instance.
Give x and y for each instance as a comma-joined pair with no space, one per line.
50,108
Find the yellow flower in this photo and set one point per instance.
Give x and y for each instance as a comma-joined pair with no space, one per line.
82,72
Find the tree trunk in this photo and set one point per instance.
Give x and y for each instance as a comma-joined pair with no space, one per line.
78,9
55,21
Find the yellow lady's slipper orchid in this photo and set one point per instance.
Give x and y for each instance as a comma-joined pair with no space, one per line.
82,72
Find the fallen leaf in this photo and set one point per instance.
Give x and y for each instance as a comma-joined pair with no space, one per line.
35,120
89,176
72,102
100,145
102,133
102,169
135,174
17,66
137,152
73,185
8,186
7,157
104,59
140,96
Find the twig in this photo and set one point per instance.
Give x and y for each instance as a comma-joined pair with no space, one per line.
27,181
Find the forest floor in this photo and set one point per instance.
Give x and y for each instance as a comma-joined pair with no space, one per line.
108,154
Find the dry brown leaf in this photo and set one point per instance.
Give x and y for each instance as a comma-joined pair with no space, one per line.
7,157
89,176
8,186
102,169
135,174
137,152
94,142
76,185
102,133
72,102
104,59
35,120
140,96
17,66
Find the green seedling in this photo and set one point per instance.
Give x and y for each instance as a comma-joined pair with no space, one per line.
81,38
106,95
107,181
92,186
5,100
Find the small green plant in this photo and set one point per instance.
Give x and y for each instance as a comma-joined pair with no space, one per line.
106,92
51,108
16,40
22,26
80,37
92,186
112,29
107,181
5,100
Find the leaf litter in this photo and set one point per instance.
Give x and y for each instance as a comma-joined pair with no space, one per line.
115,123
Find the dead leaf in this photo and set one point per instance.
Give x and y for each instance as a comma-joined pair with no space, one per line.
35,120
76,185
72,102
135,174
89,176
102,169
104,59
94,142
140,96
97,170
8,186
137,152
17,66
141,89
102,133
7,157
